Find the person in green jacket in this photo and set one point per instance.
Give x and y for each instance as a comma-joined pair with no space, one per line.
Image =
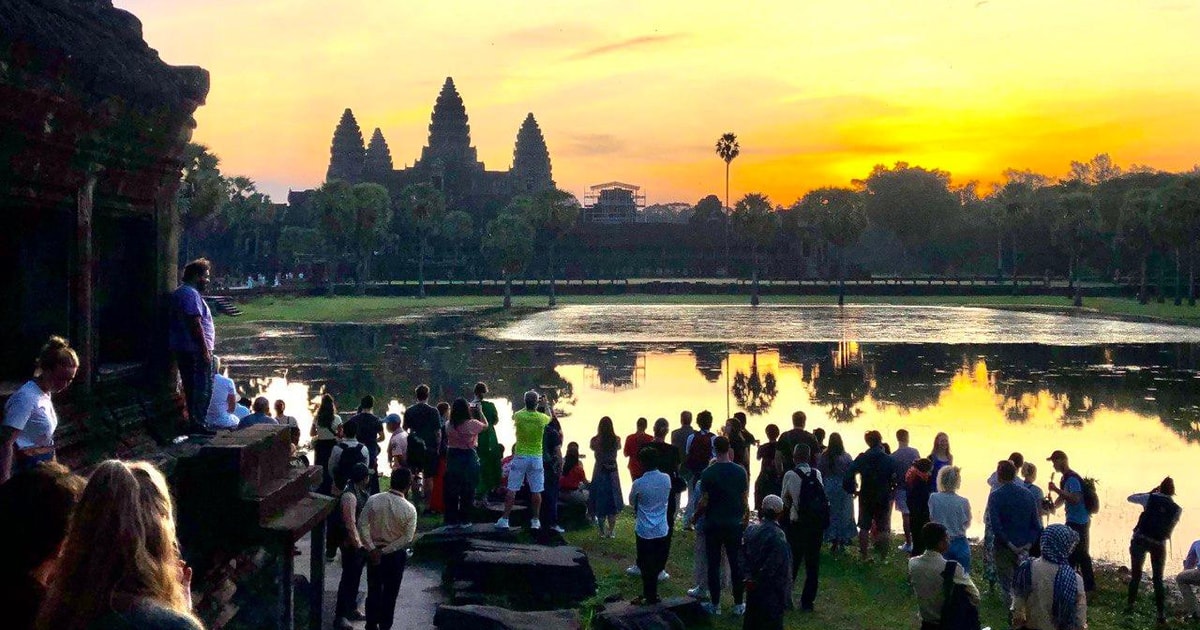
490,451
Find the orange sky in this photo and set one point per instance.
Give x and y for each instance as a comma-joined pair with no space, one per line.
817,91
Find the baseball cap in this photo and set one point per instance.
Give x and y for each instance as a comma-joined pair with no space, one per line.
392,418
1056,455
772,503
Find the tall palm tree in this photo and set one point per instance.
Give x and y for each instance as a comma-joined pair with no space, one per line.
728,149
425,206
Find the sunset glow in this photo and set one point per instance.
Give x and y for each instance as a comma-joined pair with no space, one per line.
818,92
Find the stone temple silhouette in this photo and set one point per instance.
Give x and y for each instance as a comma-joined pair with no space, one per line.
448,161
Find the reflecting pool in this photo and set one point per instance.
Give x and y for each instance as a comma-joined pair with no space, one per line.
1125,406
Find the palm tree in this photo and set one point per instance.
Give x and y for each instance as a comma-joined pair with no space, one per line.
756,223
458,226
372,217
728,149
425,205
508,240
553,212
1140,223
335,216
840,216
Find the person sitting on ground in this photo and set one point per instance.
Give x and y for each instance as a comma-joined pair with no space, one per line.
902,460
1013,519
285,420
370,434
1047,593
919,484
387,527
261,415
634,443
242,408
927,575
767,560
770,475
1189,579
354,556
27,433
43,497
397,446
874,466
223,402
650,497
527,464
724,488
952,511
346,455
1159,516
807,516
572,486
120,566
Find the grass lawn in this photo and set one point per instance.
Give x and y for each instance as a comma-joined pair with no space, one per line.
852,596
378,309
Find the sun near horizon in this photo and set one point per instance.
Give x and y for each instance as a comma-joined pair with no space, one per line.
818,92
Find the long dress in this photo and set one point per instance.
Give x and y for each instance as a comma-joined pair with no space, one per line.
842,527
490,451
606,497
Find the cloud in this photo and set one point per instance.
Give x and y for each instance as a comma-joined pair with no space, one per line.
550,34
633,42
592,144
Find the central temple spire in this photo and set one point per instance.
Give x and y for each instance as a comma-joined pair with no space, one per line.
449,133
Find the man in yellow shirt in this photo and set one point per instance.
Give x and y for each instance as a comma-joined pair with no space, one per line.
526,463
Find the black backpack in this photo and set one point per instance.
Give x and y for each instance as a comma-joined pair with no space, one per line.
1158,519
418,452
350,457
812,506
958,613
1091,500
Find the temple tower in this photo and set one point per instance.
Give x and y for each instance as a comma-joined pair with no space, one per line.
449,145
531,159
378,162
347,152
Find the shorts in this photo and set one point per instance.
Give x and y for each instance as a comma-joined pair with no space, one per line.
524,468
874,513
902,501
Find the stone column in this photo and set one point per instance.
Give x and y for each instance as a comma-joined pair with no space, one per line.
83,333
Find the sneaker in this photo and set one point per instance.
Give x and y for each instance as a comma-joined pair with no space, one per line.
739,610
633,571
343,624
698,592
502,523
663,576
559,529
906,548
535,523
711,609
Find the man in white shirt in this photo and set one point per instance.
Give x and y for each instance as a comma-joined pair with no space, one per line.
1190,578
223,402
925,576
650,496
807,509
397,446
387,526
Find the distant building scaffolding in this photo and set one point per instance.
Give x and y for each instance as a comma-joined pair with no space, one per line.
613,202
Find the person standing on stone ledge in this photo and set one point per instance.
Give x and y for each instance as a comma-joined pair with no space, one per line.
527,461
490,451
370,433
120,565
27,434
387,527
191,339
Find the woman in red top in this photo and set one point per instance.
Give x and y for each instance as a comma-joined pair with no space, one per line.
633,445
462,462
572,486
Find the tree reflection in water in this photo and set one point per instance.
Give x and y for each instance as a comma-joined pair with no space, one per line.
754,392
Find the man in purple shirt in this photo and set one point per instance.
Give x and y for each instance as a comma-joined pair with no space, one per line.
191,340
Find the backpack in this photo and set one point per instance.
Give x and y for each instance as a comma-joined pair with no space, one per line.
958,613
1158,519
351,456
1091,500
812,505
699,453
418,452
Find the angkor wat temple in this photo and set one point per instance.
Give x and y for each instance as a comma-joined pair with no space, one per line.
448,161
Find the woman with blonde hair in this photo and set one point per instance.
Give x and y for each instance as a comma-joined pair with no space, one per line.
27,432
953,512
120,565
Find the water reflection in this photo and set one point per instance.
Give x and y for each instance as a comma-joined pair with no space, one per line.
1135,406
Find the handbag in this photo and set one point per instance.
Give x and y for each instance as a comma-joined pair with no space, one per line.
958,613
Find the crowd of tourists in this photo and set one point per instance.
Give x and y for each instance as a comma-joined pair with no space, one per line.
102,552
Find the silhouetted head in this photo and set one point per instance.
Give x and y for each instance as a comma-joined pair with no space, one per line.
799,419
1005,471
685,419
873,438
401,479
933,537
367,403
704,420
642,423
772,432
661,428
721,445
422,392
262,405
197,273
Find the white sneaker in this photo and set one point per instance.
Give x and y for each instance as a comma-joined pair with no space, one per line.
711,609
698,592
739,610
906,548
502,523
663,576
634,571
535,523
559,529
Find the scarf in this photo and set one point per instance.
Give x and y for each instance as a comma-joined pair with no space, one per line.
1057,543
913,475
